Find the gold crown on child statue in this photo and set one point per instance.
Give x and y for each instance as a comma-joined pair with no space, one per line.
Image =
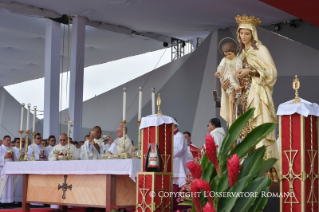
247,20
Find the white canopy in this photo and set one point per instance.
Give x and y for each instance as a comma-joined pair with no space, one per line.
115,28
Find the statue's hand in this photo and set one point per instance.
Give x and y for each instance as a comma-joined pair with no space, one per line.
225,83
242,73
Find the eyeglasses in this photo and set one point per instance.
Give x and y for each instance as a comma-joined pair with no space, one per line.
39,138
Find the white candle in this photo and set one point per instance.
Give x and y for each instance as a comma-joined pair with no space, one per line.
22,110
124,103
153,101
28,115
34,116
140,104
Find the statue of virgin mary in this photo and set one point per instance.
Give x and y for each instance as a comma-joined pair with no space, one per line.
257,77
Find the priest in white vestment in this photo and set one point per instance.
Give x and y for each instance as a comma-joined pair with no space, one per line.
40,152
180,170
94,146
63,148
216,131
117,145
6,185
18,179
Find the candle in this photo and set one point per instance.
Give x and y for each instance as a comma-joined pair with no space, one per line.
34,116
140,104
22,110
153,101
124,103
28,115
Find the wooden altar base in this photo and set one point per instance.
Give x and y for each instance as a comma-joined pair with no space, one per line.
100,191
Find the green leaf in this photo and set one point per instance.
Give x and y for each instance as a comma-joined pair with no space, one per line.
208,172
236,189
260,203
204,161
222,185
252,164
267,164
234,131
252,139
244,203
186,203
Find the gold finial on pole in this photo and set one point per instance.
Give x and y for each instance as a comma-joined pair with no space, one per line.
159,102
296,86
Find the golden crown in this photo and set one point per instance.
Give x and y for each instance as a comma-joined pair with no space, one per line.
247,20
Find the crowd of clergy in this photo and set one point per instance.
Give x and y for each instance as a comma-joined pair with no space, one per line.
93,146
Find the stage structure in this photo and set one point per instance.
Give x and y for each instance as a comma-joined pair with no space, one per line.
156,177
299,145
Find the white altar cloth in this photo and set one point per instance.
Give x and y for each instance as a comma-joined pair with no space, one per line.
154,120
304,108
77,167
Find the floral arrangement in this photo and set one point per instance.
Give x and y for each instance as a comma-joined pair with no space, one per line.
219,179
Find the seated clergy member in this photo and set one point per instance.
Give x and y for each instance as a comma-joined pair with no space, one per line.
117,145
63,148
93,147
40,152
7,185
51,143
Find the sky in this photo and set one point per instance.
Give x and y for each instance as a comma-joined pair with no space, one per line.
97,79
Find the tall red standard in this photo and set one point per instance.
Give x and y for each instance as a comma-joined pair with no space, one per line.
153,188
299,146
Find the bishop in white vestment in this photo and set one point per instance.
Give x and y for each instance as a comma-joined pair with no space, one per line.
63,148
6,185
117,145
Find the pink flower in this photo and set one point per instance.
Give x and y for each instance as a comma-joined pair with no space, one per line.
211,151
233,165
195,168
208,208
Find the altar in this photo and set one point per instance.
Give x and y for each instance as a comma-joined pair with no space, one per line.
90,183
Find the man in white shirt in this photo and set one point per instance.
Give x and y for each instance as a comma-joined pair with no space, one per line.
117,145
6,186
40,152
216,131
63,148
94,146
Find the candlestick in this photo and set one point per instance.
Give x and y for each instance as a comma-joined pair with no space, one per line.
28,115
22,110
139,154
140,104
20,150
68,154
33,133
34,116
26,156
153,101
124,103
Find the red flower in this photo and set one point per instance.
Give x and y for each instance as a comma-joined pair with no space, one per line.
208,208
203,185
233,165
195,195
211,151
195,168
